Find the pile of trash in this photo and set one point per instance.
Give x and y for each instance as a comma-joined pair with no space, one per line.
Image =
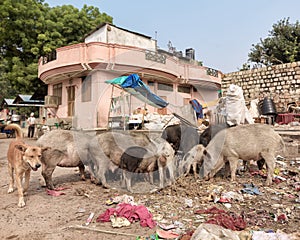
216,209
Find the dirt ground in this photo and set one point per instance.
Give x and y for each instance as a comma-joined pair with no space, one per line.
64,216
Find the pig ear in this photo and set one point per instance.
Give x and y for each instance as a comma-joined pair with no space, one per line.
206,153
21,147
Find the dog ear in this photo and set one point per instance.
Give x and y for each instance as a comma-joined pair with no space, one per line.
45,148
21,147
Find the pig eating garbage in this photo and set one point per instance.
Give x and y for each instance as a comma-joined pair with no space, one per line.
246,142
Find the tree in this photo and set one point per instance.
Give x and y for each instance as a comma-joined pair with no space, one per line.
30,29
282,45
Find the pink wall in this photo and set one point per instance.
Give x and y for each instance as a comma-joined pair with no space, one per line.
108,61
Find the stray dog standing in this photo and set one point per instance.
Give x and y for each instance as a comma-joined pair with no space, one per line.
22,158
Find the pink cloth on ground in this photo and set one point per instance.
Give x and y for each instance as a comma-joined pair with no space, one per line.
132,213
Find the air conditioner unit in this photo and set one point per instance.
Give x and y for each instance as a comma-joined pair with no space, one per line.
51,101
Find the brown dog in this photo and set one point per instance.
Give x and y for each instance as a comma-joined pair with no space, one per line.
21,159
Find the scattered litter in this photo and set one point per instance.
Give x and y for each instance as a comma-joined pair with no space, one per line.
260,173
225,219
281,218
278,157
281,163
224,200
151,237
54,193
109,202
276,171
167,227
157,217
121,199
261,235
89,219
132,213
214,232
187,235
250,189
118,222
179,224
280,178
188,202
81,210
167,234
233,196
227,205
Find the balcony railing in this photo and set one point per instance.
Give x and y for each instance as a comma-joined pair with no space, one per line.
49,57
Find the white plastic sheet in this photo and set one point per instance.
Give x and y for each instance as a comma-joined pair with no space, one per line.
236,110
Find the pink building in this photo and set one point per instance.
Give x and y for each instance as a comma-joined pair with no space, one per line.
76,76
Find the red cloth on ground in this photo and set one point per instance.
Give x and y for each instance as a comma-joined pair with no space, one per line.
224,219
132,213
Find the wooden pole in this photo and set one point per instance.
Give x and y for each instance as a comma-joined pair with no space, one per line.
111,100
78,227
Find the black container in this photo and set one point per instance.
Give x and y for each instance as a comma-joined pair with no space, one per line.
267,107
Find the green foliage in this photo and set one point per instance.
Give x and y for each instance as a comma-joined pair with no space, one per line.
282,45
30,29
245,67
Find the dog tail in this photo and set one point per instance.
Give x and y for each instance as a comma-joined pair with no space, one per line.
16,128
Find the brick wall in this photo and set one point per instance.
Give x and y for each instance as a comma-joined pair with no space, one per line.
280,82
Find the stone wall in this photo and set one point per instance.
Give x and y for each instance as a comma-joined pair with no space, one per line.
280,82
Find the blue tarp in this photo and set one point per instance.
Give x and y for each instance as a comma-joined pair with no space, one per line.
135,86
197,107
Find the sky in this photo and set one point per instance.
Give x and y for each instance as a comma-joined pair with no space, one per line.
222,32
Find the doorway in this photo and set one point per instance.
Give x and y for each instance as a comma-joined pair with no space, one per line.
71,101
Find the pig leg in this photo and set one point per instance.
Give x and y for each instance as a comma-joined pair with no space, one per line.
47,172
188,169
151,179
123,181
103,178
171,172
81,170
162,175
195,170
127,178
269,160
233,162
227,171
100,165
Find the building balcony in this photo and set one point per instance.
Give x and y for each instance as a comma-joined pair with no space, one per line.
80,59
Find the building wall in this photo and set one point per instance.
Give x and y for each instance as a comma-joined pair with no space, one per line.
114,35
111,52
280,82
95,113
99,35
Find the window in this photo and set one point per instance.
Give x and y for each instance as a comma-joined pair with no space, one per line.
165,87
150,83
86,89
57,91
184,89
